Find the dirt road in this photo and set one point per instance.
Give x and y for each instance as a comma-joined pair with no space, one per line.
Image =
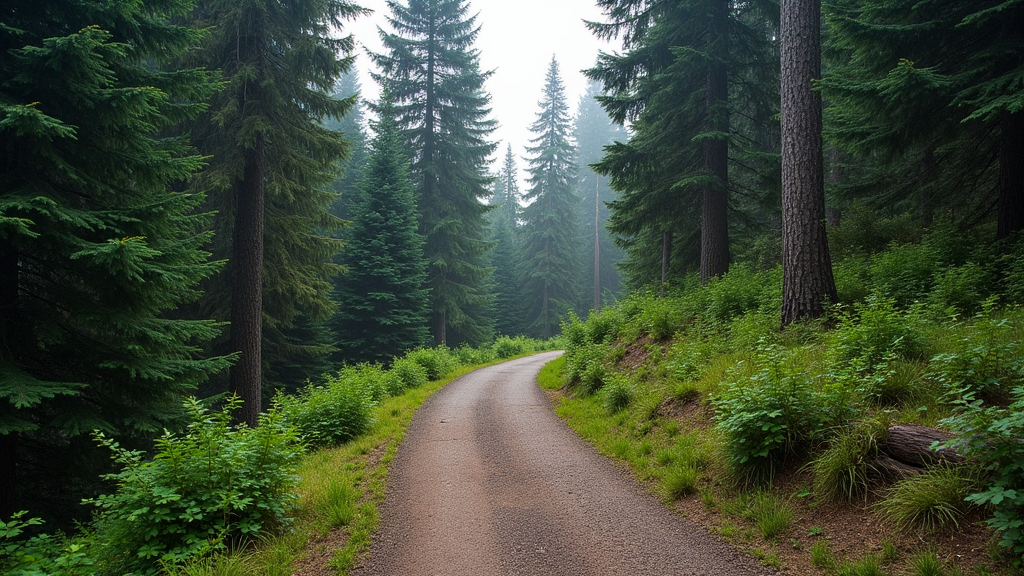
489,481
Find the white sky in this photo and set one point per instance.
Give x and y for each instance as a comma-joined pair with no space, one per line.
517,39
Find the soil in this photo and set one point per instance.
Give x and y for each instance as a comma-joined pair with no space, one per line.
489,481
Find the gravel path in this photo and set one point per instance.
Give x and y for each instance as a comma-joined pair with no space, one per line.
489,481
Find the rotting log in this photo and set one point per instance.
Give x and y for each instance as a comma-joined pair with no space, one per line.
891,468
912,444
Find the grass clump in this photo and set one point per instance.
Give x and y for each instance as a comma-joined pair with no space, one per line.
926,563
821,555
844,469
618,392
932,500
680,481
868,565
772,514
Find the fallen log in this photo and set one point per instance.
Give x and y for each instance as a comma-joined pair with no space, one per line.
888,467
911,444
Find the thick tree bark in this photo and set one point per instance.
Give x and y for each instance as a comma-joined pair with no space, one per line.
1011,175
9,339
714,222
666,249
247,285
807,266
912,445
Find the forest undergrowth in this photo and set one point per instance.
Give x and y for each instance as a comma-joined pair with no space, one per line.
296,495
783,441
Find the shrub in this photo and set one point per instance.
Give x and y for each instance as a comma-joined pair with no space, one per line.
961,289
844,470
438,361
774,412
584,368
617,392
405,373
905,273
42,554
991,436
470,356
368,377
505,347
876,330
933,499
330,414
985,362
210,486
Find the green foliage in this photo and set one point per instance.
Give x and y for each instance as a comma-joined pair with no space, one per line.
680,481
769,415
904,273
933,499
961,289
875,331
821,555
985,361
336,412
618,392
470,356
204,489
927,563
771,514
867,565
438,361
991,437
42,554
506,347
405,373
844,470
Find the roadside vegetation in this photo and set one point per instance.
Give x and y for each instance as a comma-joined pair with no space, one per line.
221,498
794,443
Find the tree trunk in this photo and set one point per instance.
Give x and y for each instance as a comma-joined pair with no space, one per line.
807,266
912,445
9,339
714,221
440,329
247,285
1011,175
924,193
597,246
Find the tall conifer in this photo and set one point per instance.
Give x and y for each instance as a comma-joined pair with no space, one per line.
272,164
504,221
433,72
96,250
550,235
382,302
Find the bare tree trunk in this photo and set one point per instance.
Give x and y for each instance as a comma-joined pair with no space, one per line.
1011,175
247,285
714,220
807,266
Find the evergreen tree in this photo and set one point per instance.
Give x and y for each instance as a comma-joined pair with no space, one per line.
594,131
432,70
504,221
673,85
382,304
272,164
96,249
806,264
923,100
550,245
351,127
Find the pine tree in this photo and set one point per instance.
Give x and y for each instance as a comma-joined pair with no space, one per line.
673,85
923,101
594,131
96,249
806,264
351,127
504,221
272,164
382,304
550,237
432,70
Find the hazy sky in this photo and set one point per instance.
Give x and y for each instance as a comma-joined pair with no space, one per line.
517,40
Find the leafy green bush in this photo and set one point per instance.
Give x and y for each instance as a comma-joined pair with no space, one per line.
961,289
205,488
505,347
470,356
404,374
617,392
985,362
905,273
336,412
992,436
42,554
844,469
774,412
584,368
933,499
438,361
741,290
368,377
874,330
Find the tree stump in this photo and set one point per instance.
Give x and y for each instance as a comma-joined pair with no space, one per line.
911,445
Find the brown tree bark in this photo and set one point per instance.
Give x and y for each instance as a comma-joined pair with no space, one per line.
247,285
912,445
1011,175
807,266
714,221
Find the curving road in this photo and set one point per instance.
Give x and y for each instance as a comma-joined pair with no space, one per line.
490,482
